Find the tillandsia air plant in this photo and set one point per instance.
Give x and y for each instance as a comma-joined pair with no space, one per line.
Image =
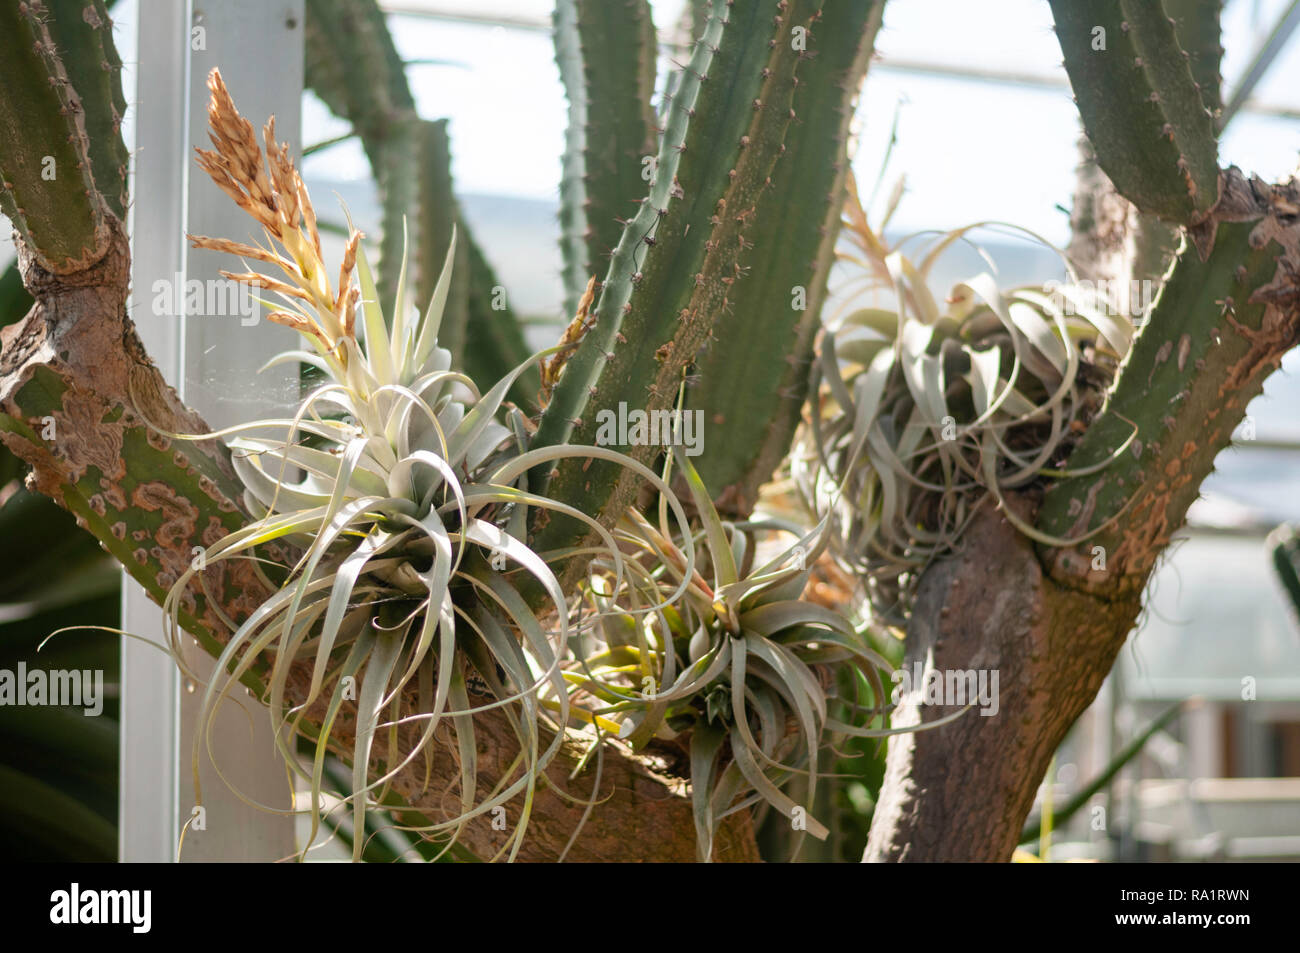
928,408
740,672
415,570
406,497
407,500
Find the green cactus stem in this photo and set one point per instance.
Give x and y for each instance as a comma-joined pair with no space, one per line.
437,216
353,66
573,196
83,36
1218,328
1196,25
1284,546
678,303
652,221
1140,104
610,96
498,339
47,185
753,375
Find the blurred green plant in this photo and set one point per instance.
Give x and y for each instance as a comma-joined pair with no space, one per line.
58,767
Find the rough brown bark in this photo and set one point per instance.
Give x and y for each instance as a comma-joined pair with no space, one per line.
76,358
1110,240
962,792
643,813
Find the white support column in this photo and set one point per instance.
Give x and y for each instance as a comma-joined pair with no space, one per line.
147,812
212,359
1203,738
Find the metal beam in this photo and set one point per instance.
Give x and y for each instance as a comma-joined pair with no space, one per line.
1006,77
1261,61
150,737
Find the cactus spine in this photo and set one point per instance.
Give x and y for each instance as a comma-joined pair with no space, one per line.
47,180
1140,104
606,52
773,314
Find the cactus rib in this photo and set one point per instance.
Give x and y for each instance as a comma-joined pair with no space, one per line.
690,273
47,185
753,375
1141,105
584,368
1217,329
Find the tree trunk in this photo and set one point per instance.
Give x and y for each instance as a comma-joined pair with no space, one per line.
1050,620
962,792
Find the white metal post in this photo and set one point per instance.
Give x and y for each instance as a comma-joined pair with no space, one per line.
147,809
212,359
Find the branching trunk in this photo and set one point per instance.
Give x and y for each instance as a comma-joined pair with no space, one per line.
962,792
82,403
75,390
1050,620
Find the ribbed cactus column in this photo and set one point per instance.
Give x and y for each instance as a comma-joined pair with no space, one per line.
614,306
47,173
1226,315
679,260
83,35
1141,104
436,214
1222,319
752,376
1218,328
606,51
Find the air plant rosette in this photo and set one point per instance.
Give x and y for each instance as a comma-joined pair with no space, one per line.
406,497
739,673
927,409
416,601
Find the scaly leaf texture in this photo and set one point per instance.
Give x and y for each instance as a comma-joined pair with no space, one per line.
1140,105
